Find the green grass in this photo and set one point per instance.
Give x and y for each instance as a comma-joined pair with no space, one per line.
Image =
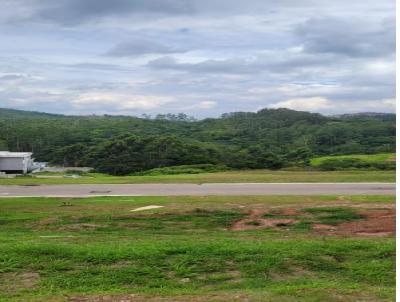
324,215
185,251
381,157
334,215
260,176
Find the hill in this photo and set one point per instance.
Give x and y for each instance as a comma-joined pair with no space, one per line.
269,138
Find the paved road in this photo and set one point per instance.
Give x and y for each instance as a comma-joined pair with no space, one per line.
203,189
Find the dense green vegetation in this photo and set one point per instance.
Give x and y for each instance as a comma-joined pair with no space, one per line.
377,158
97,249
120,145
382,161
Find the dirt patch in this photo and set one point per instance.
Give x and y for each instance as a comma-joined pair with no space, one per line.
257,212
47,221
260,223
81,226
28,280
56,236
319,226
120,264
377,223
294,273
18,281
140,298
391,159
255,221
288,212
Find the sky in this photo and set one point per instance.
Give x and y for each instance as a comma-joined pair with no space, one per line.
202,58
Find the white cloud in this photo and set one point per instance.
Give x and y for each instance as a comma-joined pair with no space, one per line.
324,105
205,105
119,101
308,104
382,105
389,103
380,67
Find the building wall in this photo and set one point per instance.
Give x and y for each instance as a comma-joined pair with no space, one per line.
13,164
29,164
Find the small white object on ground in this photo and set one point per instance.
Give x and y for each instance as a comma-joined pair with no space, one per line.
146,208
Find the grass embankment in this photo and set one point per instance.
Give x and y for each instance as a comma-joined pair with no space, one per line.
97,249
381,158
252,176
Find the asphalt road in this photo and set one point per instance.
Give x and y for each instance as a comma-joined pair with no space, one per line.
202,189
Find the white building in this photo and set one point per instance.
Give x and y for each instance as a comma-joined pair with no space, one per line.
16,162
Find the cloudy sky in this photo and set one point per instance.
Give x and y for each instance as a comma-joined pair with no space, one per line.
202,58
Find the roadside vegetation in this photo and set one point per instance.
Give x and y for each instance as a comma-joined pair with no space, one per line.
158,176
223,248
382,161
185,169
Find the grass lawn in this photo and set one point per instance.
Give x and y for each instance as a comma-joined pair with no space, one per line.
254,176
381,157
194,249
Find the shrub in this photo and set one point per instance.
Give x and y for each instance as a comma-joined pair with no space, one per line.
185,169
353,163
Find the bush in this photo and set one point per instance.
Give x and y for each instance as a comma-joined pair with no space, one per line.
353,163
185,169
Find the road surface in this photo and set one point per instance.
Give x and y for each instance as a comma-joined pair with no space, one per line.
199,189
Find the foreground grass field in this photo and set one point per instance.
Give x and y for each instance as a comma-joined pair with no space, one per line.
254,176
258,248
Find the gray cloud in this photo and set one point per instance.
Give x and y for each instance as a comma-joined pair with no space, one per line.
11,77
271,63
142,46
98,66
147,56
71,12
347,37
208,66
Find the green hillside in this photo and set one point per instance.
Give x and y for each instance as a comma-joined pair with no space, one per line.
269,138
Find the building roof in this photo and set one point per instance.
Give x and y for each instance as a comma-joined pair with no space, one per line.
14,154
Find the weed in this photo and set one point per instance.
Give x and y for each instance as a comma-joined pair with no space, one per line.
253,222
334,215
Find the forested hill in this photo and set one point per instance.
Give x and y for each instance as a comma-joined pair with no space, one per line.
269,138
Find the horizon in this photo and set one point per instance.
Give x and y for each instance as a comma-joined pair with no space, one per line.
154,116
205,59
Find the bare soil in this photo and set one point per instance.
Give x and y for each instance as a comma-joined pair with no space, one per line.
80,226
377,222
141,298
18,281
255,221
